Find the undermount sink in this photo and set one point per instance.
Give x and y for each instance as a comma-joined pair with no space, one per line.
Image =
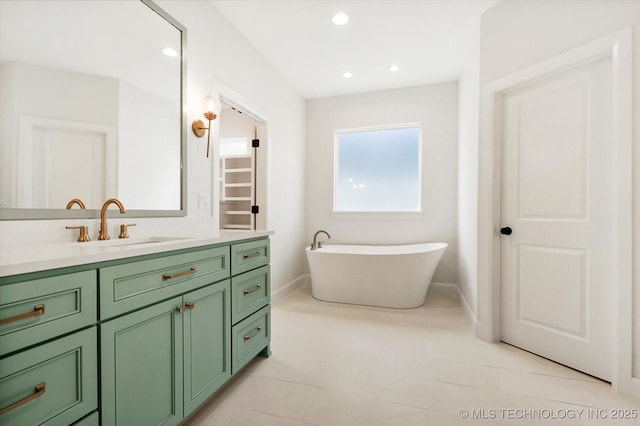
125,242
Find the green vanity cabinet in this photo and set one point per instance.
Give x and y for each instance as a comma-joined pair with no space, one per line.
92,419
250,292
41,308
206,342
250,298
162,362
251,337
48,348
249,255
129,286
141,366
53,384
138,341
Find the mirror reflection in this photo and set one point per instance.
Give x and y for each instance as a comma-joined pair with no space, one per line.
90,105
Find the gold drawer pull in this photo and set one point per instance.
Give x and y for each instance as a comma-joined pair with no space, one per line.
254,334
37,311
179,274
249,256
258,287
39,391
191,305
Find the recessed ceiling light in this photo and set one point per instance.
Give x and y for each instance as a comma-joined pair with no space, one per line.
394,68
169,52
347,74
340,18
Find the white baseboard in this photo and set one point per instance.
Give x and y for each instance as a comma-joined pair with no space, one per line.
483,332
468,312
448,287
289,287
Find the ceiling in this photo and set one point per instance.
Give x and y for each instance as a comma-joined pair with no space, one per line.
427,39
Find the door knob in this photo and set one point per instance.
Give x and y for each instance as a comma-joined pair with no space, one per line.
506,231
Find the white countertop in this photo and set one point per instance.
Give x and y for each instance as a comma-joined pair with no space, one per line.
41,257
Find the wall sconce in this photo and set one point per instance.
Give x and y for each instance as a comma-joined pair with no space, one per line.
198,126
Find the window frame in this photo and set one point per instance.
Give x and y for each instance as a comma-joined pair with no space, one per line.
377,214
222,141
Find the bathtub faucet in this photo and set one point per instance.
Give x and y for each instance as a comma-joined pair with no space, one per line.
318,245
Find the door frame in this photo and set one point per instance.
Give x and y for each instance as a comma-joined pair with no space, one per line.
229,96
617,47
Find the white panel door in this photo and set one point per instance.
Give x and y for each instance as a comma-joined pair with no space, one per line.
68,164
556,265
59,160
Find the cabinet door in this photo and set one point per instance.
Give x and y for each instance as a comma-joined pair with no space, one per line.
207,343
142,367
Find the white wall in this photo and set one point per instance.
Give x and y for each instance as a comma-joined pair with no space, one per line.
515,35
215,49
435,106
148,156
236,125
468,138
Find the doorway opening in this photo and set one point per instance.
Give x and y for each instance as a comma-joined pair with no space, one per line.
242,172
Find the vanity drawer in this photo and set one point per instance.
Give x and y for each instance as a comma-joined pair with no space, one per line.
250,337
249,292
130,286
52,384
249,255
33,311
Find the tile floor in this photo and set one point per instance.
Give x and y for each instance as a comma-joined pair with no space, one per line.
336,364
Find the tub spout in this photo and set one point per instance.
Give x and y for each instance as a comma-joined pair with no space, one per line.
317,245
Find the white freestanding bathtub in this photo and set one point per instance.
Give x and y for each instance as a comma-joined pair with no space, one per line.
388,276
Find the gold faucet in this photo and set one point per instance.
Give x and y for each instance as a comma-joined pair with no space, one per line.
76,201
83,237
104,235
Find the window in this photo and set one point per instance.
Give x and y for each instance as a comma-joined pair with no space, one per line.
378,169
233,146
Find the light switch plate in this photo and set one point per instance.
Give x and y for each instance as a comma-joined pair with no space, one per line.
203,200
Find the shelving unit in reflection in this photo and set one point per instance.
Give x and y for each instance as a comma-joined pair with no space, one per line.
236,189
